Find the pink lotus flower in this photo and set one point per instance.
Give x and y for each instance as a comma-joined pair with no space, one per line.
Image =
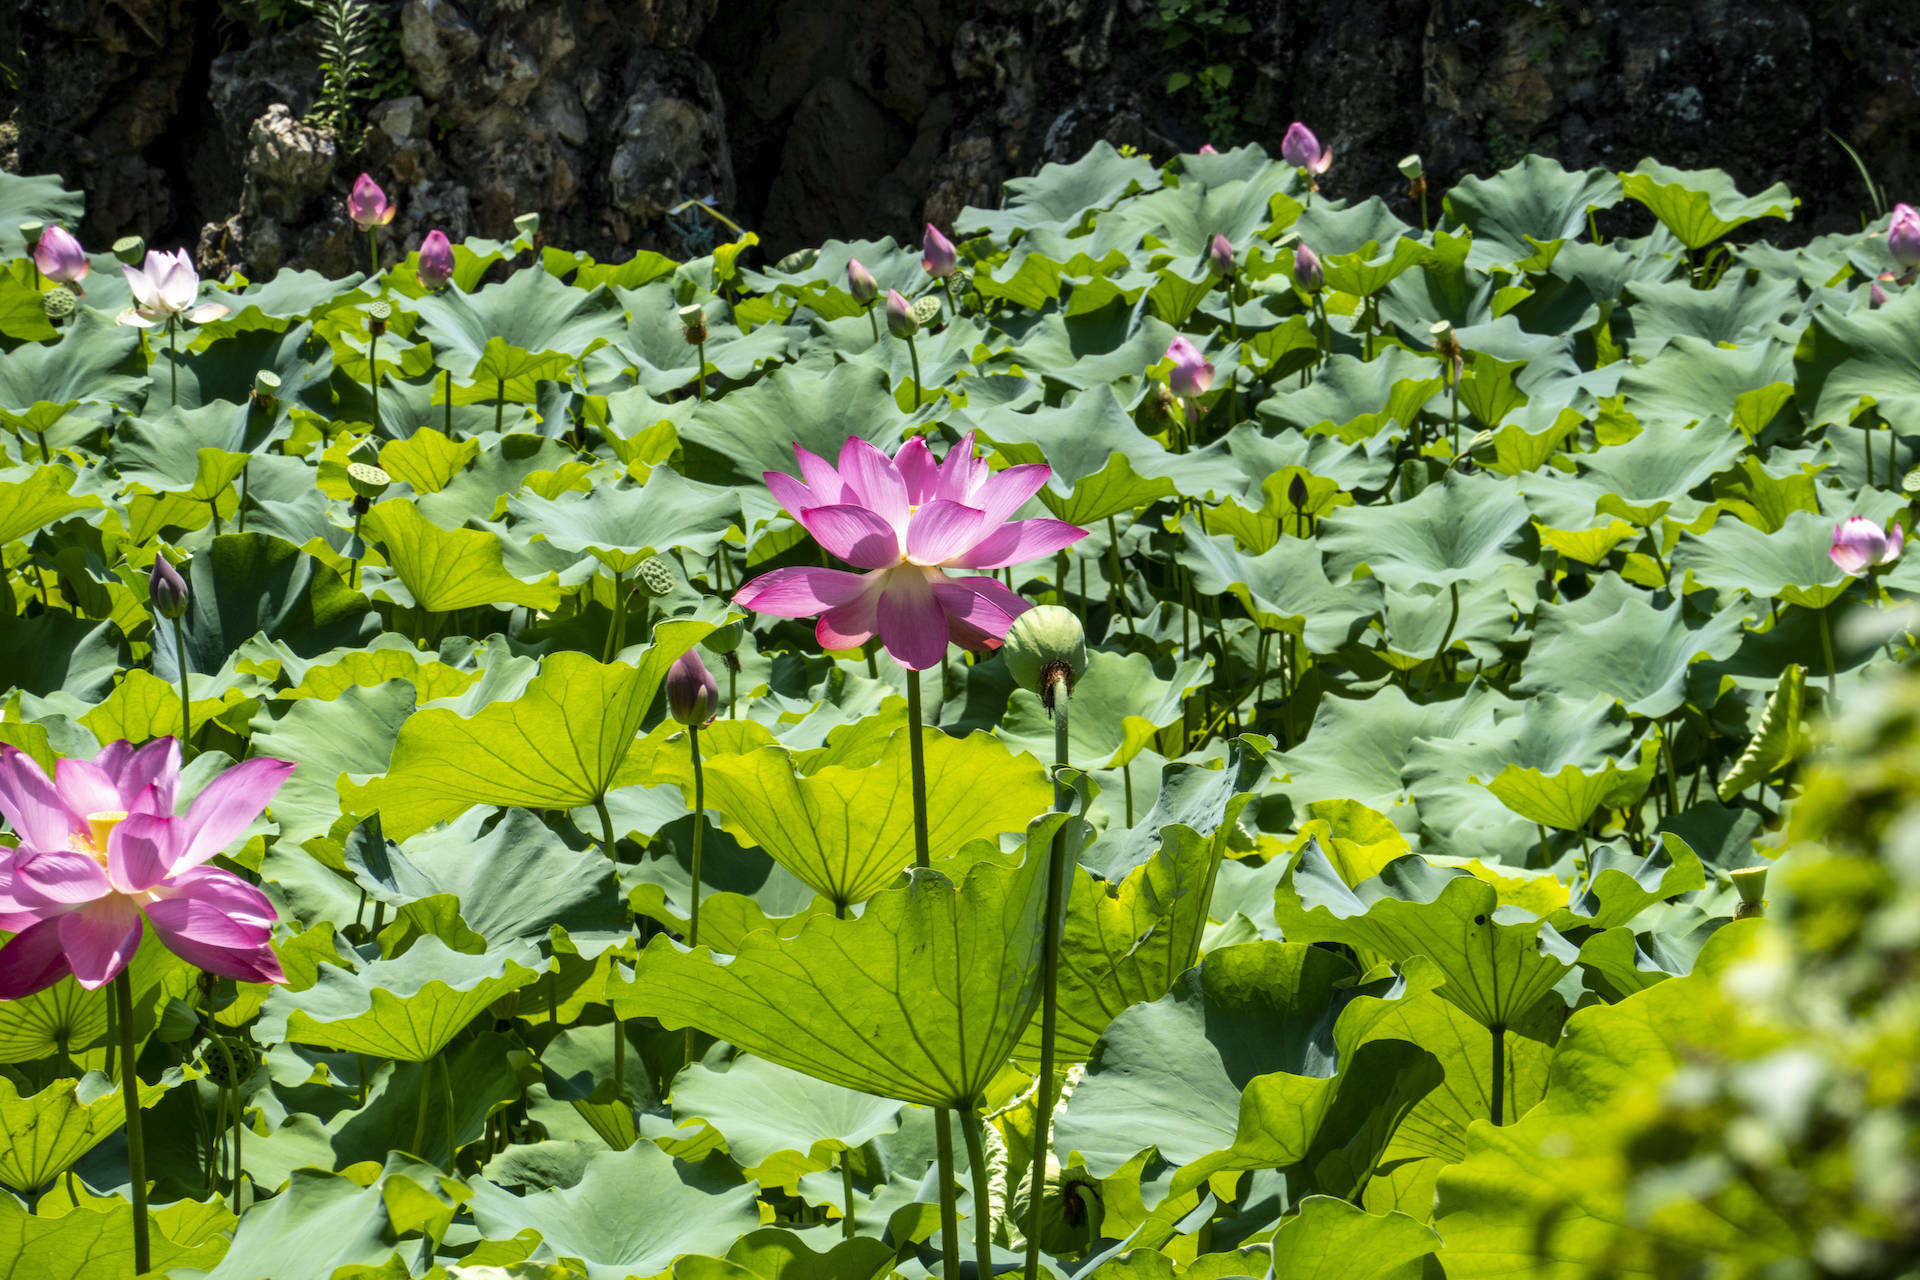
367,204
102,852
1858,543
1307,271
905,520
692,695
1207,149
937,253
1303,151
1220,255
1903,235
860,282
164,290
1192,373
435,266
60,257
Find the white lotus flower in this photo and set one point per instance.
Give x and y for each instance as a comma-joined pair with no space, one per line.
164,290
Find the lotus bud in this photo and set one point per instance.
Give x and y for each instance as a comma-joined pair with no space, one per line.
1220,255
1192,372
1411,168
1208,149
1751,882
166,589
1044,645
527,224
379,311
1070,1208
1297,492
724,640
266,387
368,481
1303,151
31,232
367,204
1903,235
60,257
1307,272
926,311
656,576
693,324
692,695
59,302
435,265
131,250
937,253
1859,544
900,319
860,282
1876,296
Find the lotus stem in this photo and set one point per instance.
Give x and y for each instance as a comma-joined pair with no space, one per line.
1126,777
1233,379
847,1228
186,707
699,830
874,321
971,1127
136,1141
420,1116
613,619
1826,651
914,353
446,1096
446,383
1446,638
1117,589
949,1211
244,468
1497,1104
499,405
373,252
700,378
943,1124
359,551
953,308
1057,889
916,759
1866,450
608,844
373,372
173,363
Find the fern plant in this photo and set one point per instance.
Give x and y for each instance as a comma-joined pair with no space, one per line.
346,48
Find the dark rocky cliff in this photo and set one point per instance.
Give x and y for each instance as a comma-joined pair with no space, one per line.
803,119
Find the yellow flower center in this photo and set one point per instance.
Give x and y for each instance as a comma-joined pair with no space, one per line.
99,830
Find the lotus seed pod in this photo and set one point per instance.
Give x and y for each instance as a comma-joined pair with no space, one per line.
656,576
900,319
692,694
1411,168
131,250
1043,644
166,589
962,281
527,224
725,639
229,1068
693,324
1910,483
379,312
368,481
59,302
30,232
1751,882
266,386
926,311
1070,1208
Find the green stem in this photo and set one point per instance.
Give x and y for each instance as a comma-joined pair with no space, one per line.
1118,591
975,1134
1446,639
373,375
847,1228
700,378
916,758
499,405
1826,650
1126,774
173,363
1497,1108
873,320
446,1096
1233,385
373,252
953,308
353,572
238,1109
420,1118
608,844
446,385
949,1210
1673,764
699,830
1057,889
1866,435
214,505
136,1140
46,454
914,352
186,707
608,650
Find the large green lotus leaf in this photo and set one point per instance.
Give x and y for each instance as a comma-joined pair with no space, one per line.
66,1019
41,198
23,316
223,372
655,340
1285,588
1744,308
1850,359
847,830
527,328
1477,618
1119,703
1566,798
821,286
288,297
559,744
1366,271
1642,479
326,1224
1620,885
1364,465
946,355
689,1209
751,430
48,1130
1791,565
58,652
94,362
1183,220
1358,749
1357,399
479,490
1701,205
920,998
95,1240
766,1112
1777,742
1459,530
1617,641
623,525
1060,196
1692,380
1330,1239
188,451
407,1008
33,498
1330,227
1499,962
443,570
1085,349
1529,204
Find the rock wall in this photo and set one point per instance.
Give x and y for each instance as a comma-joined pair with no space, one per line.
803,119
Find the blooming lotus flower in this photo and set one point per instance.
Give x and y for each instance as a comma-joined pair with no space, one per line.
1220,255
102,854
1307,272
1858,543
1303,151
692,695
60,257
436,261
937,253
1192,373
367,204
164,290
1903,235
905,521
860,282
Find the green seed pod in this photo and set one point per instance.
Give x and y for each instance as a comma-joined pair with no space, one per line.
961,281
368,481
59,302
1043,643
527,224
131,250
30,232
656,576
1910,483
693,324
725,639
926,311
1411,167
1751,882
214,1063
266,387
1070,1209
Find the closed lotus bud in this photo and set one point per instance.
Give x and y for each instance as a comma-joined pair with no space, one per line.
60,257
1859,544
693,324
131,250
1303,151
1192,372
1208,149
860,282
527,224
692,695
1903,235
900,320
1307,272
367,204
435,265
1046,644
1297,491
1751,882
368,481
1220,255
59,302
1876,296
937,253
926,311
656,576
166,589
1411,168
1070,1208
